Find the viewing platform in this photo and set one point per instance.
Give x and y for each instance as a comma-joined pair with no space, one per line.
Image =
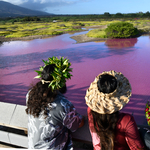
14,122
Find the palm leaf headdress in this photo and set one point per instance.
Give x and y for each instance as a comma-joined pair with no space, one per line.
60,74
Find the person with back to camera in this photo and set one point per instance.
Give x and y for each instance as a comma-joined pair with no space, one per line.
51,116
111,129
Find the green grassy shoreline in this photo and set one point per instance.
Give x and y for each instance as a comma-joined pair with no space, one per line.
32,30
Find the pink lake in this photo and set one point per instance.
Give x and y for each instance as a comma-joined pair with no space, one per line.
19,59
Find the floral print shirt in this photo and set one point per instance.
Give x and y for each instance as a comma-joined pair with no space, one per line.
53,132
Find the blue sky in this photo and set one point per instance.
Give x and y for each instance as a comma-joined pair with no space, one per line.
85,6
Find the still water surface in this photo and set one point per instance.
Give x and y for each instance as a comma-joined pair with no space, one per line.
19,59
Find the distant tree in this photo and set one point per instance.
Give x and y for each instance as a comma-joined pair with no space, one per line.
118,15
26,19
36,18
131,15
31,19
107,14
140,12
147,14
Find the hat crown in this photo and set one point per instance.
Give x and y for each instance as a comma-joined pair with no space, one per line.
108,103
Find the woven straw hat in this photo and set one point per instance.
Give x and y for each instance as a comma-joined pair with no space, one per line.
109,103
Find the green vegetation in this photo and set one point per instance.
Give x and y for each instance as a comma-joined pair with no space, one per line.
56,25
115,29
121,30
20,29
60,74
97,33
66,18
31,19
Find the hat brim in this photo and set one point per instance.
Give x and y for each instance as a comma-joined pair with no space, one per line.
112,102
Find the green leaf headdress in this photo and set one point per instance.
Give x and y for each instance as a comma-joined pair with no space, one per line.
60,73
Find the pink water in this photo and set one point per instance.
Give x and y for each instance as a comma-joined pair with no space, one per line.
19,59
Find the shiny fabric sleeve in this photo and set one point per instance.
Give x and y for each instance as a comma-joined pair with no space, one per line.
72,119
132,135
95,138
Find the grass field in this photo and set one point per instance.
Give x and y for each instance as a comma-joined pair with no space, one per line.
20,29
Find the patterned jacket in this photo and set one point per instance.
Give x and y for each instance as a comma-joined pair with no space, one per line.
53,132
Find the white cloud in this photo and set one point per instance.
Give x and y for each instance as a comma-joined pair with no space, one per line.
19,2
16,2
44,5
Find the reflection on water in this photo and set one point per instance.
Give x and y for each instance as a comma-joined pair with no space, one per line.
19,59
1,43
121,43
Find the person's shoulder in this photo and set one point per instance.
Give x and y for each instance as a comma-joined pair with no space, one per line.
124,118
63,101
61,97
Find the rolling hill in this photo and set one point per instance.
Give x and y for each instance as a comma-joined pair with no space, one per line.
10,10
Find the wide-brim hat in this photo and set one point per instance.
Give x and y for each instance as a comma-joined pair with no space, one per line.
108,103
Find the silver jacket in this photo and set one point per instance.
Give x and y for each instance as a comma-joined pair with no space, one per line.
53,132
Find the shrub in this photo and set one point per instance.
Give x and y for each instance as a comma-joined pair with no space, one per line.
81,24
121,30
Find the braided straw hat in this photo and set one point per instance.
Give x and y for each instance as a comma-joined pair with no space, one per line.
108,103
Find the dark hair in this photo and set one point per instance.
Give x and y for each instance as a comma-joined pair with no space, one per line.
63,90
107,83
41,95
105,124
46,73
